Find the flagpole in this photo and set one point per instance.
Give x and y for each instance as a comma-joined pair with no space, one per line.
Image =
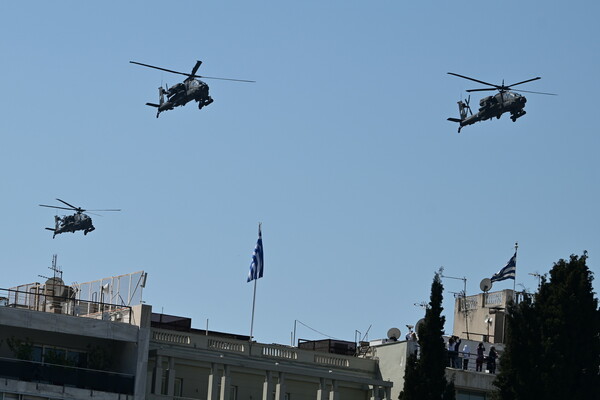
256,275
515,280
253,303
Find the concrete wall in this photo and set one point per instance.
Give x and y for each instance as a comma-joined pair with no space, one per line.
392,362
478,308
67,324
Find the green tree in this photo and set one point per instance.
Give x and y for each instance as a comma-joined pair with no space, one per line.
553,340
22,349
425,377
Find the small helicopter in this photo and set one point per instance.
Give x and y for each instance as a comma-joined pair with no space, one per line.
493,106
71,223
182,93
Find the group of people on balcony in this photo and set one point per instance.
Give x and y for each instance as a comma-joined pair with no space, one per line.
455,361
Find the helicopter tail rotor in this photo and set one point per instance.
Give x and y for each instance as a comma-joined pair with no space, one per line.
463,108
468,107
161,95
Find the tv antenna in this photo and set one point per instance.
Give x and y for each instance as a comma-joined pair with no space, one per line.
463,295
538,276
55,268
424,305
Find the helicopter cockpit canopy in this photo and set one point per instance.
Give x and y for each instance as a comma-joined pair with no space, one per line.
511,95
485,100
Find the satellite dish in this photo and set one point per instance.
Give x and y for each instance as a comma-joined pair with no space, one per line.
418,325
486,284
393,334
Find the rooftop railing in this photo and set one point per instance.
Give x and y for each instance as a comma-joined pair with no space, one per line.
274,352
46,301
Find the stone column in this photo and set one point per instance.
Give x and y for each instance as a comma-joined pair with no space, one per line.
171,377
375,393
322,390
225,384
267,386
388,393
280,387
212,382
157,375
334,394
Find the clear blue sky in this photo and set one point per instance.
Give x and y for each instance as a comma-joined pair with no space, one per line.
341,149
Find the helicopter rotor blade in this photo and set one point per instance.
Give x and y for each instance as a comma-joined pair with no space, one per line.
222,79
195,69
70,205
472,79
528,91
190,76
159,68
528,80
110,209
61,208
481,90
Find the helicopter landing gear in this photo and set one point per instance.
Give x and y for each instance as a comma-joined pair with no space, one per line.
514,117
204,102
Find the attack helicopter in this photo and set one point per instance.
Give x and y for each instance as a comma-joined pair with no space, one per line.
71,223
493,106
182,93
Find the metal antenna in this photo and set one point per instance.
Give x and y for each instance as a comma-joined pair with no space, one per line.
54,267
462,294
538,276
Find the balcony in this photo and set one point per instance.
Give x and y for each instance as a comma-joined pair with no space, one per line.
61,375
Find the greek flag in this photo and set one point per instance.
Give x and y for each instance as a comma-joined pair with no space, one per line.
257,265
508,272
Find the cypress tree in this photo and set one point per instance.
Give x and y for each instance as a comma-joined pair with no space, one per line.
425,377
553,343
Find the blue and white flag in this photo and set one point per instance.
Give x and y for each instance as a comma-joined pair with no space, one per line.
508,272
257,266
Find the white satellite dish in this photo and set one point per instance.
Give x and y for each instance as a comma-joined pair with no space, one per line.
393,334
486,284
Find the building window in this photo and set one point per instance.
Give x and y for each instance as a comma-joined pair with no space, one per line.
469,396
178,387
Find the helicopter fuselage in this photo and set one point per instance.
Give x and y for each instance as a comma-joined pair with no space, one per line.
72,223
182,93
494,106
